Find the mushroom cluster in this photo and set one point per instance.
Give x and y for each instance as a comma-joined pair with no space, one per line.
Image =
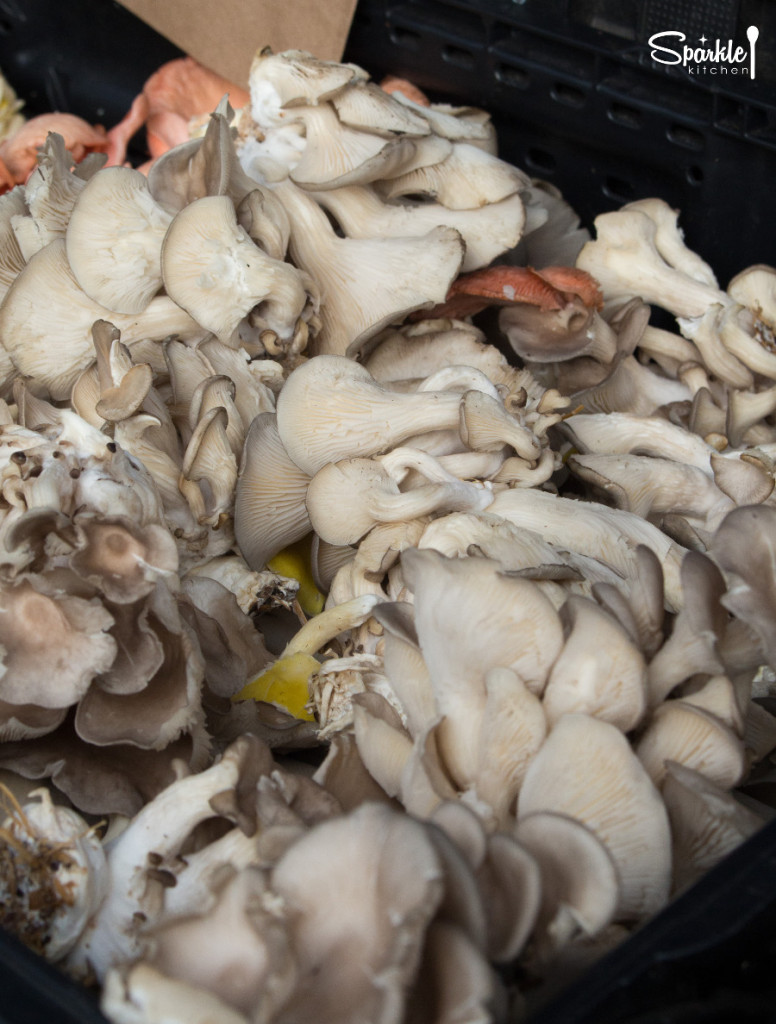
267,483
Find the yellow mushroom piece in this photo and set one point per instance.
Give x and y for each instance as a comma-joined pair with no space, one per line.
286,681
295,562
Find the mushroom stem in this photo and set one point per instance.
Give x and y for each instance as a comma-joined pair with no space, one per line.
323,628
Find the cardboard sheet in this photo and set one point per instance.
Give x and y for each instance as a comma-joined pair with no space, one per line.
225,35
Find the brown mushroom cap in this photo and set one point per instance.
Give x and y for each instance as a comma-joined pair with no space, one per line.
53,647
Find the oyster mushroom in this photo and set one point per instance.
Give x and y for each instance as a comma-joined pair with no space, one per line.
45,302
610,535
393,276
464,179
707,822
114,238
586,769
625,259
213,270
487,231
269,511
113,934
599,671
354,965
743,547
53,875
690,735
580,888
475,593
318,424
53,645
371,495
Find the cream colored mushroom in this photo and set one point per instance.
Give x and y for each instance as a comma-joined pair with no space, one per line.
690,735
331,408
368,283
46,302
580,887
114,240
346,499
587,770
487,231
354,964
269,510
589,528
54,878
625,260
213,270
470,618
599,671
707,822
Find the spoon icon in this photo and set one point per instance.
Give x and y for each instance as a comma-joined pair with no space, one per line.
752,34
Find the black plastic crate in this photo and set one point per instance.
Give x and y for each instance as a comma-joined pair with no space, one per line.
577,101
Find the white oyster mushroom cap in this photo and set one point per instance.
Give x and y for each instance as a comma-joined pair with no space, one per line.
445,120
707,822
669,240
510,884
599,672
693,646
586,769
741,336
467,179
650,486
705,333
331,408
680,731
359,891
383,743
296,77
366,106
595,530
617,433
141,994
336,155
269,505
346,499
233,944
580,888
160,828
114,240
404,666
486,426
488,231
213,270
513,728
719,696
46,321
625,260
458,973
471,618
755,288
367,283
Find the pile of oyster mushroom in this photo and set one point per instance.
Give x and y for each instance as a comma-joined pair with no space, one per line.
523,718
